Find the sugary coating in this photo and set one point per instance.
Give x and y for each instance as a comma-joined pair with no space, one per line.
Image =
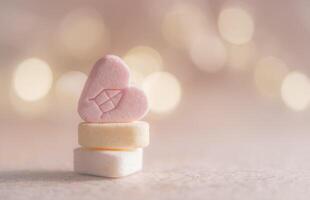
117,136
111,164
107,96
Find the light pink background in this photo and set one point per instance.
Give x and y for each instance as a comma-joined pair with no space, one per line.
221,126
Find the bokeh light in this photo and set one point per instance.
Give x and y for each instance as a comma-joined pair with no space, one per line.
268,75
142,61
83,33
208,53
241,57
236,25
32,79
182,23
30,109
69,87
295,91
163,91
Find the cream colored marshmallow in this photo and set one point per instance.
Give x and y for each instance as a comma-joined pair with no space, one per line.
114,135
111,164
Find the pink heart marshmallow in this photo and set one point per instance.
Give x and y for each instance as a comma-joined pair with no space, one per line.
107,96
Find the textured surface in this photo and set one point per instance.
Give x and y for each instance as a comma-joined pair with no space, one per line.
222,167
107,96
175,183
114,135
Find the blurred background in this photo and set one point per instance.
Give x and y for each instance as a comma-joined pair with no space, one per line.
227,81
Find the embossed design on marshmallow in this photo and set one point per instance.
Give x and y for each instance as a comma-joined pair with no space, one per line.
107,96
107,100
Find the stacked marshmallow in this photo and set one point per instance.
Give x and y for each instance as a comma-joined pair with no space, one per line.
111,138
